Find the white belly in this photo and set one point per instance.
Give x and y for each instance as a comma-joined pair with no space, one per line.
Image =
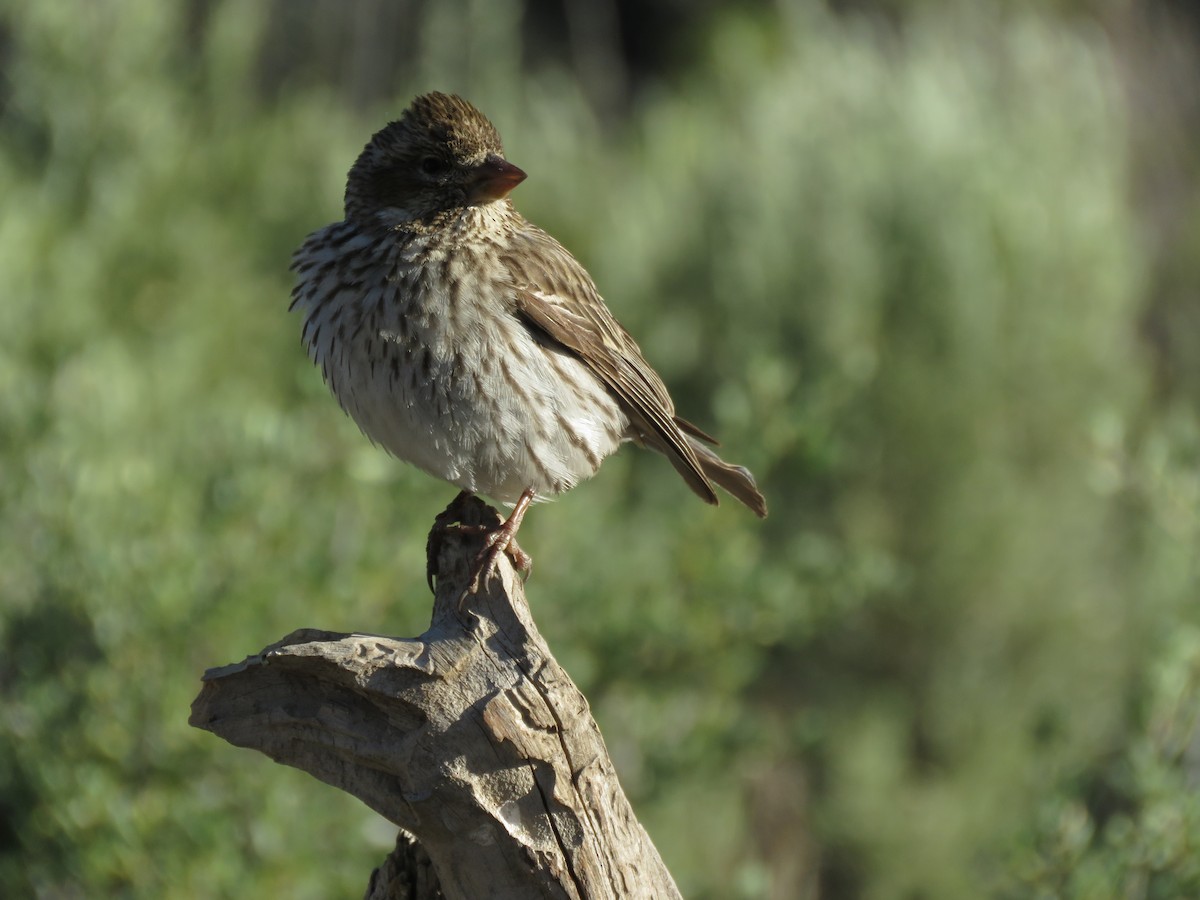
471,398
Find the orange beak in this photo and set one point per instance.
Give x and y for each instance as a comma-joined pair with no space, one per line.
493,179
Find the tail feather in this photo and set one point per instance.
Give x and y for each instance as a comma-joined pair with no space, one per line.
737,480
694,430
702,468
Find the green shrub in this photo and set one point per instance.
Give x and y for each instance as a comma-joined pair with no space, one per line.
898,274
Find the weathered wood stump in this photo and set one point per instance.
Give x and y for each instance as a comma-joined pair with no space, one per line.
471,738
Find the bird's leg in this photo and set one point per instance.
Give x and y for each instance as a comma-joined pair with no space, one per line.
502,540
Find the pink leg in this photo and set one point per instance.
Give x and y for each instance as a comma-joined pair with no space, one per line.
503,540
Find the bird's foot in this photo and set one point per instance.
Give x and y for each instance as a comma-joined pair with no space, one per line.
437,534
501,537
499,540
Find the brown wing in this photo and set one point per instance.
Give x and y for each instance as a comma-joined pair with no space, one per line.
556,297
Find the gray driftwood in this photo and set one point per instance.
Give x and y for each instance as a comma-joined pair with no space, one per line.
471,738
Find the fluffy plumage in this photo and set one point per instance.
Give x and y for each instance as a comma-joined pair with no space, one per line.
469,342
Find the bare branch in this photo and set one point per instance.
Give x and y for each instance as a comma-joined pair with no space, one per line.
470,737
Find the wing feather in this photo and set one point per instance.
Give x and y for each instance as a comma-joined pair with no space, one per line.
555,297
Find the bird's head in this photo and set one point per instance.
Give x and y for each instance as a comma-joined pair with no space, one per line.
441,155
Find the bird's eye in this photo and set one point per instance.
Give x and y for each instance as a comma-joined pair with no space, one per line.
432,165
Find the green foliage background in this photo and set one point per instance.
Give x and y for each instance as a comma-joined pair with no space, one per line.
903,272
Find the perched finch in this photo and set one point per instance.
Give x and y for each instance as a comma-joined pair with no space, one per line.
470,343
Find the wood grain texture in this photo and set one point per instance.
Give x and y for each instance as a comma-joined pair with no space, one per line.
470,737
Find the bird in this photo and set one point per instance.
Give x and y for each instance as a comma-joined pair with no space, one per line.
470,343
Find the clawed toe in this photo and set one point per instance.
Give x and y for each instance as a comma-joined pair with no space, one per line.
501,538
521,560
437,534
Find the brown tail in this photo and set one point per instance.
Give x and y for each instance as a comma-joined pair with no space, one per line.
737,480
702,468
